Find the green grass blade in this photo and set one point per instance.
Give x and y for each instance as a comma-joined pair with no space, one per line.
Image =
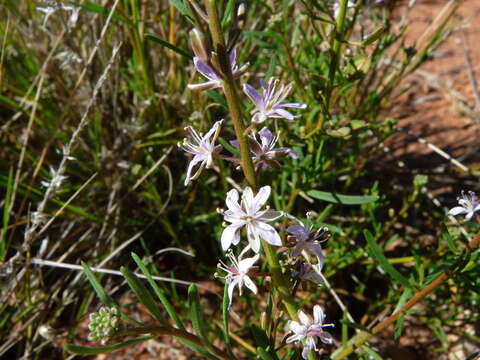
104,297
196,315
342,199
226,312
377,254
87,350
143,295
168,45
159,292
6,215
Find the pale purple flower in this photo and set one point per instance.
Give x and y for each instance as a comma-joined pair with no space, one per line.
249,214
310,272
268,104
264,153
214,76
238,274
307,239
306,329
469,204
202,148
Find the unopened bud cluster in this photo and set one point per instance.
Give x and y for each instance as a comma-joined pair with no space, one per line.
103,324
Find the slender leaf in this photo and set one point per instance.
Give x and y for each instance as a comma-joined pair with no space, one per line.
181,8
6,215
106,299
159,292
87,350
342,199
196,316
377,254
168,45
226,312
143,295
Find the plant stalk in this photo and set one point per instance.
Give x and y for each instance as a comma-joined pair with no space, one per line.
231,94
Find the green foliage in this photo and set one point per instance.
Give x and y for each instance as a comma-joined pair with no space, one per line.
377,257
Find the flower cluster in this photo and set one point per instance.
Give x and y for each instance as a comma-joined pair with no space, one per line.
103,324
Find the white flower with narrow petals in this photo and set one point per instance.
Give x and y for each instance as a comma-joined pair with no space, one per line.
202,148
469,204
249,214
269,103
308,330
238,274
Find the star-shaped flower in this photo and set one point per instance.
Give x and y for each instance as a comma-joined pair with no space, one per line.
469,204
308,240
202,148
238,274
269,103
214,76
249,214
306,329
264,153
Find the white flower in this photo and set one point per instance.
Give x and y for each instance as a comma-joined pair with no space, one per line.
469,204
238,274
307,240
306,329
202,148
269,103
248,214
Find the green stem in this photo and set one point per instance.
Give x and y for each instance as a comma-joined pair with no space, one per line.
231,94
279,281
336,47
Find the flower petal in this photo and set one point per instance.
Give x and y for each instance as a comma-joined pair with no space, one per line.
231,287
193,162
325,337
318,315
294,105
205,69
268,233
457,210
254,95
250,284
232,203
298,231
296,328
253,237
212,84
230,235
245,264
266,137
261,198
283,114
304,319
269,215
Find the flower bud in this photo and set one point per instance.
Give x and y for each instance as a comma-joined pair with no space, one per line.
198,44
103,324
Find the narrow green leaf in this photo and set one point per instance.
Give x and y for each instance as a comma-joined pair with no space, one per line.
342,199
159,292
261,338
228,12
106,299
6,215
168,45
225,309
215,96
181,8
196,316
377,254
87,350
143,295
399,327
371,352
